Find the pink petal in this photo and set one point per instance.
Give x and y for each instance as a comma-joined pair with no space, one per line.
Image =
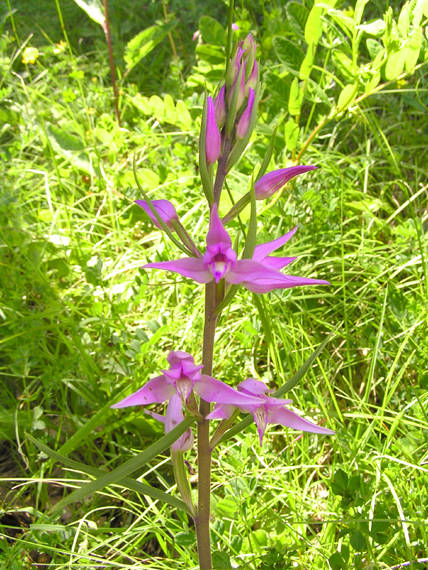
244,121
221,412
212,138
156,390
264,249
212,390
216,233
164,208
174,415
290,419
277,262
273,181
256,387
188,267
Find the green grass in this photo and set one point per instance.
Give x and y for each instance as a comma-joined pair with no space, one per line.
82,325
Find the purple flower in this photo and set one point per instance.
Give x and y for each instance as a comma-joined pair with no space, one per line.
273,181
165,210
259,274
244,121
174,415
181,379
268,410
220,107
212,138
235,26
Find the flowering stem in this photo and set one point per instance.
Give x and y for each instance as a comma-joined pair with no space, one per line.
202,519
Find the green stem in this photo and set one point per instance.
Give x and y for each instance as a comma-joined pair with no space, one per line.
106,28
202,519
221,169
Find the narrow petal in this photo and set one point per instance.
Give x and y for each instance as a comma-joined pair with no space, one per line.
188,267
156,390
216,233
221,412
260,278
212,390
277,262
174,415
290,419
264,249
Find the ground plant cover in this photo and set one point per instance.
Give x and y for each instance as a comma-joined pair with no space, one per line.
94,112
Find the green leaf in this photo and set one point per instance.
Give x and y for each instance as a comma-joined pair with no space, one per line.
130,466
212,31
395,64
307,63
94,9
125,482
144,42
291,134
71,147
295,99
375,28
346,96
313,28
288,53
357,540
297,14
359,9
412,48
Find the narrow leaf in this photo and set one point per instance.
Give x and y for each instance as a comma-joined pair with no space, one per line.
126,482
133,464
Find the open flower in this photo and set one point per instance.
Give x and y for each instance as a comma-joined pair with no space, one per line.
259,274
174,415
165,210
273,181
268,410
182,377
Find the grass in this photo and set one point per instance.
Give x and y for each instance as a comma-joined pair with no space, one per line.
82,325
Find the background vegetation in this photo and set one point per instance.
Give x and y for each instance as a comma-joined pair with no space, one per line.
82,325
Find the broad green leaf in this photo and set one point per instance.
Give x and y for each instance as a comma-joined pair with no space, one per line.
359,9
130,466
126,482
294,380
297,14
412,49
375,28
210,53
395,64
307,63
346,96
374,48
291,134
313,28
404,19
144,42
295,99
94,9
71,147
212,31
288,53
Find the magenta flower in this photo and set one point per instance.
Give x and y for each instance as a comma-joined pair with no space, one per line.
174,415
182,378
259,274
244,121
165,210
268,410
220,107
273,181
212,138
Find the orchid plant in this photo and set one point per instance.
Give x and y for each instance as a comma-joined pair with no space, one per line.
188,389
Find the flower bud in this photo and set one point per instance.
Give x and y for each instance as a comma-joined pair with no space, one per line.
220,107
244,121
273,181
212,135
164,209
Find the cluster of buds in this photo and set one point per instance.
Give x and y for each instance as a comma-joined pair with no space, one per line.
228,120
